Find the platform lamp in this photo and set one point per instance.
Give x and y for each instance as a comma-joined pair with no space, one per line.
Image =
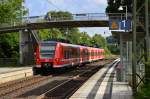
121,8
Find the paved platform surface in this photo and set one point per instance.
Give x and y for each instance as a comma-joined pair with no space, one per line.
10,74
12,69
103,85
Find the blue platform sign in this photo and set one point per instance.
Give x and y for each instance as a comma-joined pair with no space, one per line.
120,25
126,25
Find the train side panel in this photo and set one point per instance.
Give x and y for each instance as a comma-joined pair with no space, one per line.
68,56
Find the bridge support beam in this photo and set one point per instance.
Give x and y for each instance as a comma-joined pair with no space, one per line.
26,48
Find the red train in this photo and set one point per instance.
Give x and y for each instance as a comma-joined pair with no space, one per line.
52,54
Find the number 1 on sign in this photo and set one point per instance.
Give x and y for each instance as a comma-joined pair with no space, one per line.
124,23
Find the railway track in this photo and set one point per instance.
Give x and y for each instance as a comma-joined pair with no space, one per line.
42,85
66,89
19,84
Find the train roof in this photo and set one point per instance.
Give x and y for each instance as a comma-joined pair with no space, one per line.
67,44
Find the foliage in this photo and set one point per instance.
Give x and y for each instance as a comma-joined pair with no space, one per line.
50,34
113,6
10,10
73,36
112,45
58,15
99,41
84,39
143,92
9,45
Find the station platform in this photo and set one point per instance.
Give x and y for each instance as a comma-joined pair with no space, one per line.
104,85
9,73
12,69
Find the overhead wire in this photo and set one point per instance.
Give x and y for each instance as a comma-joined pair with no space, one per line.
50,2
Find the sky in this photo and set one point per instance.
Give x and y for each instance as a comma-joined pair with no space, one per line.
41,7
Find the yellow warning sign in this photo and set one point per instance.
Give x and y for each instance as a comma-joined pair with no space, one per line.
114,26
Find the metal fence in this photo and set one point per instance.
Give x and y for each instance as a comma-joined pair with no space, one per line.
9,62
75,17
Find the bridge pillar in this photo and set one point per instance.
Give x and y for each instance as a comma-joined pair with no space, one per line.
26,48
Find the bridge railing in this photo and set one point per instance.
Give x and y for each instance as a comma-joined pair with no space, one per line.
74,17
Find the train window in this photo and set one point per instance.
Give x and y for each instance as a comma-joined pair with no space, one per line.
78,52
74,53
67,54
47,47
70,54
85,52
47,51
92,53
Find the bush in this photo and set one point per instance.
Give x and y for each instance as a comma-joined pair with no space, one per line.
144,92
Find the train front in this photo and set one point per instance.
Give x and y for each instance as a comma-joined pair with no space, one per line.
45,54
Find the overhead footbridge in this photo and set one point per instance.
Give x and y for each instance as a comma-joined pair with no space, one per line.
46,22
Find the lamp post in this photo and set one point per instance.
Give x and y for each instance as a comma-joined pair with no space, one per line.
121,44
121,8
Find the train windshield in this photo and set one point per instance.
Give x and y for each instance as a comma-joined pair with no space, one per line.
47,50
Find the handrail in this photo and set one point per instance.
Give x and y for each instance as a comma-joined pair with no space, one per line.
74,17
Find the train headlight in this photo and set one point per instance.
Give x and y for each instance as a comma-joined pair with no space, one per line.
38,60
57,60
38,65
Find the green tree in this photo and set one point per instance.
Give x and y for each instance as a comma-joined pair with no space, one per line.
85,39
9,45
10,10
98,40
58,15
50,34
113,6
112,45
